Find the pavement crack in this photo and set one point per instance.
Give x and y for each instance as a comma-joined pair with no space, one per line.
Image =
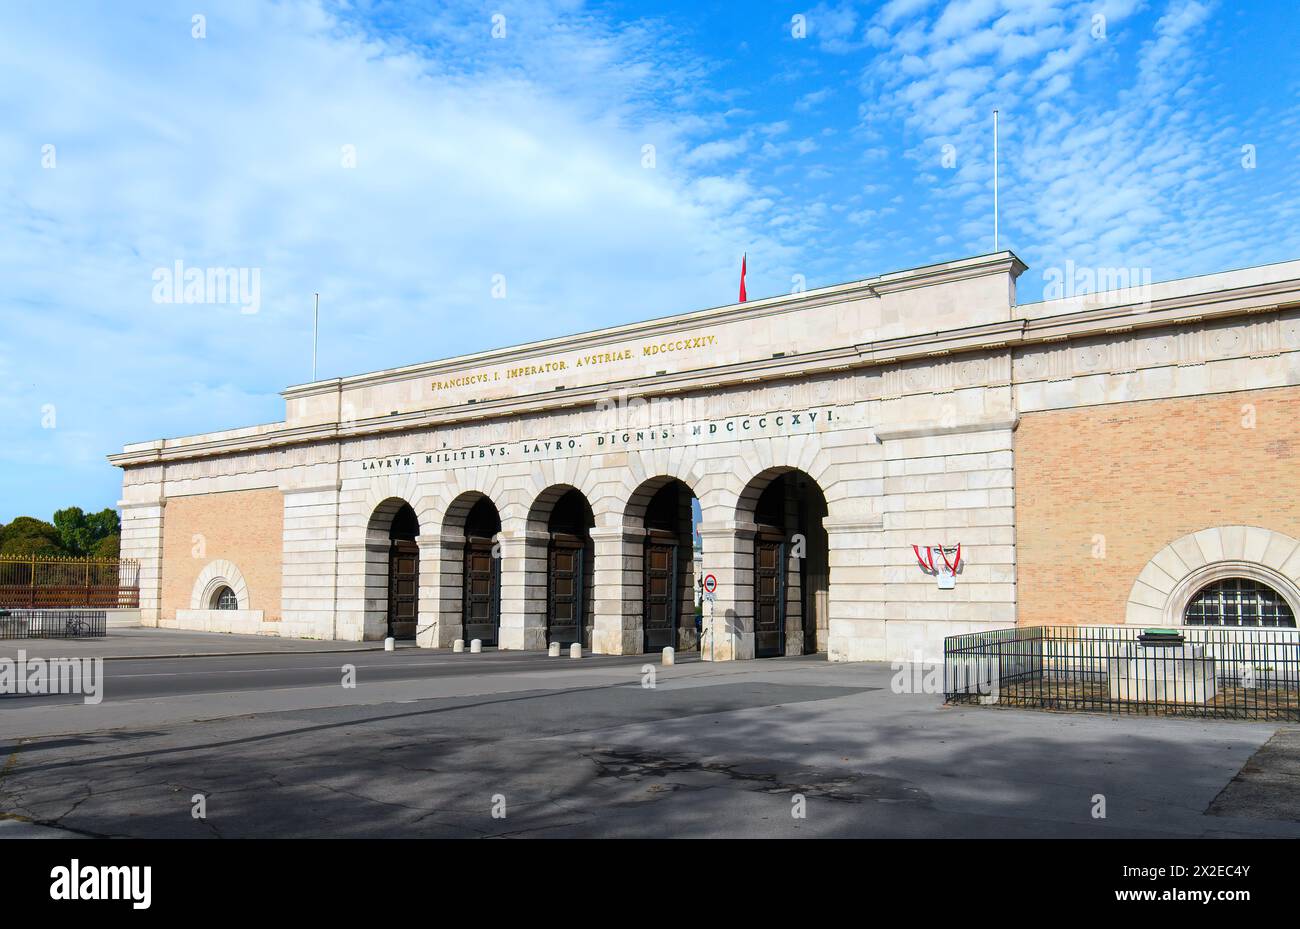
10,764
669,775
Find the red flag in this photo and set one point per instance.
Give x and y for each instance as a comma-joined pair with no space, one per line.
742,277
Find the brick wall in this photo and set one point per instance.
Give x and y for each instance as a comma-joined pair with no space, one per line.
245,527
1142,475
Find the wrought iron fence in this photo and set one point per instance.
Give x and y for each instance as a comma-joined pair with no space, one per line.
36,582
1214,672
52,624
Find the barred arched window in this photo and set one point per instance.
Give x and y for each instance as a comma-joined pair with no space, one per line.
1238,601
223,598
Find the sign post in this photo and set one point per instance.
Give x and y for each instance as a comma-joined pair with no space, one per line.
710,597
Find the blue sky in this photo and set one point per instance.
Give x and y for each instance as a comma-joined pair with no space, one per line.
398,158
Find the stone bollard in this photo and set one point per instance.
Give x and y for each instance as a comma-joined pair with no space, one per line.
458,646
389,644
475,646
575,650
554,650
669,655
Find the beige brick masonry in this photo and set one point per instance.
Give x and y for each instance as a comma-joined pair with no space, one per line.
245,527
1101,490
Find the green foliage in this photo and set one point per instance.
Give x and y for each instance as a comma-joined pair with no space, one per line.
73,532
80,532
110,546
28,536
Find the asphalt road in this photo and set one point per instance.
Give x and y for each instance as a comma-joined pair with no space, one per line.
512,745
126,679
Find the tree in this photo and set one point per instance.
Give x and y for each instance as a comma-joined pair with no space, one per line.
110,546
80,532
28,536
71,525
103,524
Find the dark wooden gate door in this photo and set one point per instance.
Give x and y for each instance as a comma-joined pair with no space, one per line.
769,597
661,596
564,592
482,603
403,589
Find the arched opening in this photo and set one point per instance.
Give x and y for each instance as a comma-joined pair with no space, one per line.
791,572
569,559
391,538
668,512
1166,592
220,586
223,598
1238,601
481,574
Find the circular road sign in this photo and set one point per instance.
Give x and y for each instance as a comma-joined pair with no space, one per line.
710,583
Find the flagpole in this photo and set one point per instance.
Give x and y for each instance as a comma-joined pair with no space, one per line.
315,336
995,180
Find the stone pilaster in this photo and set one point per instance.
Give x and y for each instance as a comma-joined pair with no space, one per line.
523,589
142,528
856,591
431,627
309,562
616,599
363,591
729,622
442,590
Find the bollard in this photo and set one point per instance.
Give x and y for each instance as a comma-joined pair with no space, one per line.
554,650
389,644
475,646
458,645
575,650
669,655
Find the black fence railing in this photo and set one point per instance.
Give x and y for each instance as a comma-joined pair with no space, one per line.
1214,672
52,624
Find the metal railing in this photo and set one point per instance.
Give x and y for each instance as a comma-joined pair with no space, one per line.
1209,671
52,624
42,582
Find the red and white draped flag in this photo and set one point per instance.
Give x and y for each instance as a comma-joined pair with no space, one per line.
927,560
742,277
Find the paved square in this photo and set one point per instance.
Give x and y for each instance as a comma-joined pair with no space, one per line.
428,744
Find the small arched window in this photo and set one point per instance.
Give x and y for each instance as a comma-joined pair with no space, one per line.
1238,601
223,598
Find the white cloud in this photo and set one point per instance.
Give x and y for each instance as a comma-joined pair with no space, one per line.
717,150
835,26
472,159
812,99
1130,169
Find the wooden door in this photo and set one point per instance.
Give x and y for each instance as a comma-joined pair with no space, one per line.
482,594
403,589
661,599
564,607
769,597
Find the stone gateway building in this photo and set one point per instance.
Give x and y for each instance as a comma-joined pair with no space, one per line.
1125,457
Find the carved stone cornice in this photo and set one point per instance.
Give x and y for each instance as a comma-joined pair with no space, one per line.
1187,315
